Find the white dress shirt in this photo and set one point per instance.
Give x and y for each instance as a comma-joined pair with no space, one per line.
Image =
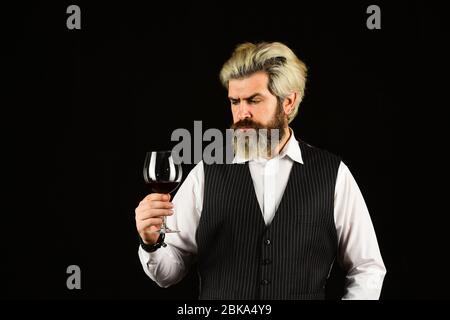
358,251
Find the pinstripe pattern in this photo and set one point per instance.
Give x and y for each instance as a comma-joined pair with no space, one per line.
236,260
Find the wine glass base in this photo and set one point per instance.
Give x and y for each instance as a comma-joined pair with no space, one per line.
171,231
167,230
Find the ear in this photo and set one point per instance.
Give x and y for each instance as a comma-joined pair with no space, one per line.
289,102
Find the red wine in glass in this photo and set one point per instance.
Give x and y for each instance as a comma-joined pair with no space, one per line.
163,175
163,187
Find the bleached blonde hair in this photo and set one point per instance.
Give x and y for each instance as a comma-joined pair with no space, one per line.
286,72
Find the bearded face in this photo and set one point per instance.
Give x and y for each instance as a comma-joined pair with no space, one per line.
252,139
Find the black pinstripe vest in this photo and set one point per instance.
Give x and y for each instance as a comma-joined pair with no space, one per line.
239,257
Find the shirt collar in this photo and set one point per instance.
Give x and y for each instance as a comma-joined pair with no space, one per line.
291,149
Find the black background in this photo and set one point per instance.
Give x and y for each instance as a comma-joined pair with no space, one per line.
86,104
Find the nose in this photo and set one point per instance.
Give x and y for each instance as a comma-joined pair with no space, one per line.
244,111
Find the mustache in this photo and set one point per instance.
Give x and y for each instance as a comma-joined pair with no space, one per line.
247,123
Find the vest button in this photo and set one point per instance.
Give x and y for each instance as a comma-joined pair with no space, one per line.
265,282
267,242
267,261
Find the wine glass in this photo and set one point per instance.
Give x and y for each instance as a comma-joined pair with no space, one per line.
163,175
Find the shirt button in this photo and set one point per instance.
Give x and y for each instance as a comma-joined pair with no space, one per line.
267,242
265,282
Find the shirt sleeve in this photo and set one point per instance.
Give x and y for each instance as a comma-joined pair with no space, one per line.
358,251
168,265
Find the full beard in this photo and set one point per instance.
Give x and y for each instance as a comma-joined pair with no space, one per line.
258,141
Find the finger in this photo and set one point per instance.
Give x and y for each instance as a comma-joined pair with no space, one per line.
154,205
161,205
151,213
157,197
150,230
150,222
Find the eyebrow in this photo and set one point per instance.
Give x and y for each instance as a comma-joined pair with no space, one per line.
249,98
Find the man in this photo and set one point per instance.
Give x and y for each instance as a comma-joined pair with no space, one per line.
270,226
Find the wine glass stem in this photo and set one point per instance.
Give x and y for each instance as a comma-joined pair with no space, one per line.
163,226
